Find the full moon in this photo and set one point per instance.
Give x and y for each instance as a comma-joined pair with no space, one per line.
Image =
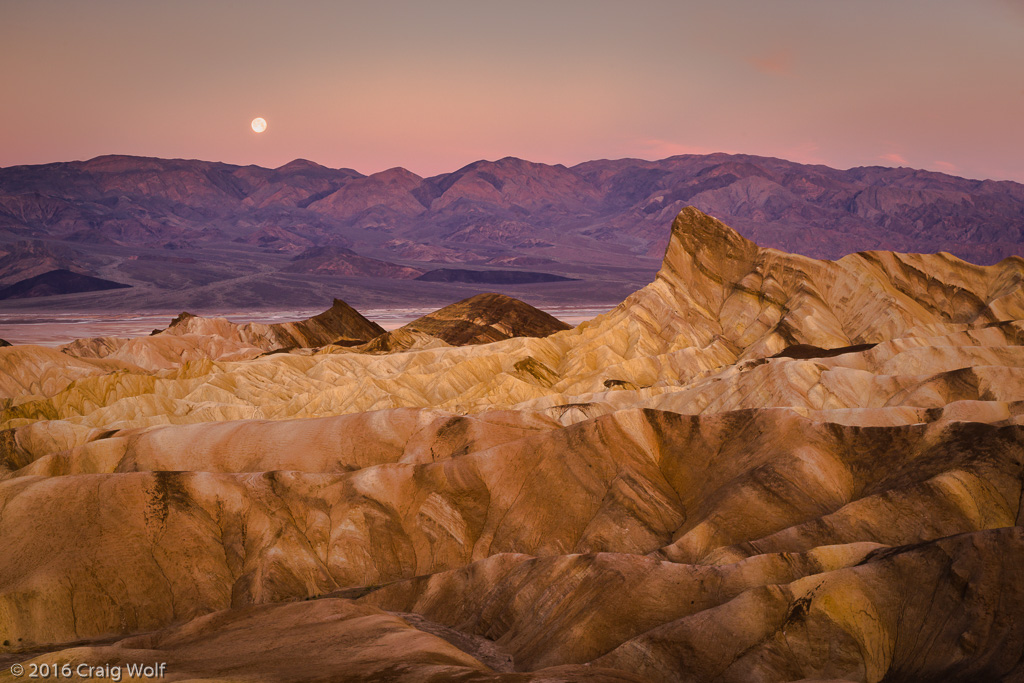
259,124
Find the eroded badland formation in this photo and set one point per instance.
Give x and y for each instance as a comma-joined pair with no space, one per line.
759,467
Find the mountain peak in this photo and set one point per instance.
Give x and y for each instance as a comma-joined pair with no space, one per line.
485,318
717,286
301,165
693,224
397,174
701,241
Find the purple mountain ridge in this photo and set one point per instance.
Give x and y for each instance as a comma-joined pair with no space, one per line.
169,224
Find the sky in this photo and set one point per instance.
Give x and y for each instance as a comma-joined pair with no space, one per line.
432,86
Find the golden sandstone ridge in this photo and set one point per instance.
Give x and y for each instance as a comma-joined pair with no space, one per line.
760,467
192,337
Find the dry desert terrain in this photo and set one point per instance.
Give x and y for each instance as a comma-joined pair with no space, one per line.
758,467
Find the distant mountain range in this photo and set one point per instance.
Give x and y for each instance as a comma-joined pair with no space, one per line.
217,233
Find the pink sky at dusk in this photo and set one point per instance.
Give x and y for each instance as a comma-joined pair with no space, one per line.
431,86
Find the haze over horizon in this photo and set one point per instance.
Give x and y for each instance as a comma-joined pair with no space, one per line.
434,88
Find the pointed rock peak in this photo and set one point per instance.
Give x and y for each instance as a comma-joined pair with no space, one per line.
347,321
692,224
702,247
707,239
340,305
181,317
486,298
179,320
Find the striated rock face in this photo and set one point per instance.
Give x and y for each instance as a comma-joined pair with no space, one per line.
485,318
193,338
480,319
760,467
717,289
340,321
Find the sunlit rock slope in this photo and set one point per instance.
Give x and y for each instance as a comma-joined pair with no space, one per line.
760,467
191,337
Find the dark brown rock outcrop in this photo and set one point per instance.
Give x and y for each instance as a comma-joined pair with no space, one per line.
485,318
